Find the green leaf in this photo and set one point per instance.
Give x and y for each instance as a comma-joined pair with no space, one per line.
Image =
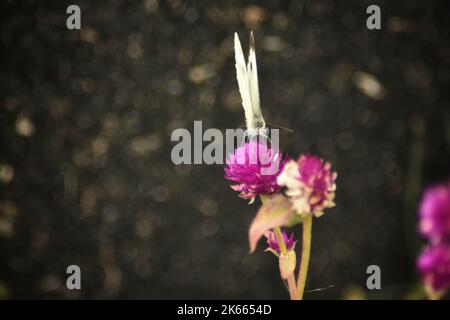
275,212
294,220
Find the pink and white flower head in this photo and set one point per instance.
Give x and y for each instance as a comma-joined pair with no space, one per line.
310,184
254,166
435,213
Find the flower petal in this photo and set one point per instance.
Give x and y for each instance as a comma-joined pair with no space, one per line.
275,212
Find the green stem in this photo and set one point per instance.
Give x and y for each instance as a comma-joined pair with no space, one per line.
291,279
306,252
281,243
434,295
292,286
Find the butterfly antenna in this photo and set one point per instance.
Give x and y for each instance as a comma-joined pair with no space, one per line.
320,289
252,42
280,127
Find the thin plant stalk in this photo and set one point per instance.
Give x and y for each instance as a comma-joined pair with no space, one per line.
292,287
306,252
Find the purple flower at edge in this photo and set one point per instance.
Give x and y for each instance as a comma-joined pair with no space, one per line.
435,213
434,266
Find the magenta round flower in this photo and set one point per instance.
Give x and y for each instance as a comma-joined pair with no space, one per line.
435,213
434,266
254,166
273,244
310,183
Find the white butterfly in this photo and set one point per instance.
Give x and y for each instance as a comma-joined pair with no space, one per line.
247,77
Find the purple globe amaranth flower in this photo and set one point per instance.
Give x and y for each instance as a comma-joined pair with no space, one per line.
310,184
274,245
254,166
434,266
435,213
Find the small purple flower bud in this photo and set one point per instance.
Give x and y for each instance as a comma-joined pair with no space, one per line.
273,244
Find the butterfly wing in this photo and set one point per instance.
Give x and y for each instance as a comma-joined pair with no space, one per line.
242,79
247,77
252,72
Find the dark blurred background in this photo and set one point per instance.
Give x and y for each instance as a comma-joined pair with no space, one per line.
86,118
